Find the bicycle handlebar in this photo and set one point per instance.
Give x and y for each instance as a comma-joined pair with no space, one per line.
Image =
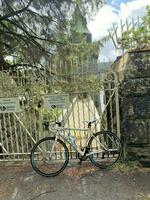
52,125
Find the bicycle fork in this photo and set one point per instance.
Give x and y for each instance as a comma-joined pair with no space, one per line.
53,146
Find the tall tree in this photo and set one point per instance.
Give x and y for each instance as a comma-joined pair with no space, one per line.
28,28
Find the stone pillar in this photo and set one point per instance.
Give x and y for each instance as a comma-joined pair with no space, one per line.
136,107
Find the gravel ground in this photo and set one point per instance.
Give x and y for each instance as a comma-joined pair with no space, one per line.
20,182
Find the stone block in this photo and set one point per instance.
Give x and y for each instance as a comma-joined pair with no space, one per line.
136,107
141,154
138,65
136,132
136,87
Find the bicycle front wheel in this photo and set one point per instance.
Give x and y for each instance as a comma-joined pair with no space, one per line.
105,149
49,156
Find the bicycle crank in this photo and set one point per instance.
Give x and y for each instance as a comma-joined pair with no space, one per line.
84,157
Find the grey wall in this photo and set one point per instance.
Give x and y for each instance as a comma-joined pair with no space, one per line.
135,106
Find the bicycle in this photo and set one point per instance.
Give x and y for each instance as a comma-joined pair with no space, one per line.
50,155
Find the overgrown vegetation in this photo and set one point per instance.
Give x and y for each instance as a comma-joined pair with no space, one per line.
45,55
30,29
138,37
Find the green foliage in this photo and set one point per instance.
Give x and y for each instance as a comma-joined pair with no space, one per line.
39,30
29,29
79,51
138,38
126,168
34,31
78,57
82,85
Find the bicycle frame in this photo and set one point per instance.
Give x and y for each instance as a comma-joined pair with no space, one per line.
59,132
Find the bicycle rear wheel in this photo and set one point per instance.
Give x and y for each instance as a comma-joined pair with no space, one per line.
49,157
105,148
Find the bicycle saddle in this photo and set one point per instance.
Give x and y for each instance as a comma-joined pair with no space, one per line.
90,122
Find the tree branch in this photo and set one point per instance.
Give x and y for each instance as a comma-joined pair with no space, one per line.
28,36
13,13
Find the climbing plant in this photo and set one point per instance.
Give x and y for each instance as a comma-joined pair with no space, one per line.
138,37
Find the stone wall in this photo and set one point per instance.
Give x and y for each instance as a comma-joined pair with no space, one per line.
134,75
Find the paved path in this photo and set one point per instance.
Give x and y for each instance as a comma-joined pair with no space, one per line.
19,182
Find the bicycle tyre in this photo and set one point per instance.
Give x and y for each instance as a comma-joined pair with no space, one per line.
105,161
36,151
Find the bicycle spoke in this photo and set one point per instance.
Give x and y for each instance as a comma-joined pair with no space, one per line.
49,157
105,149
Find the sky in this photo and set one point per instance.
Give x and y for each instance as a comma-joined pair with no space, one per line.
113,12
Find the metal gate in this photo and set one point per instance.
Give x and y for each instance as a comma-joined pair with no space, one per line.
92,95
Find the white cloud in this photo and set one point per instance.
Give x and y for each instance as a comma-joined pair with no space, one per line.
109,52
103,20
108,15
133,9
